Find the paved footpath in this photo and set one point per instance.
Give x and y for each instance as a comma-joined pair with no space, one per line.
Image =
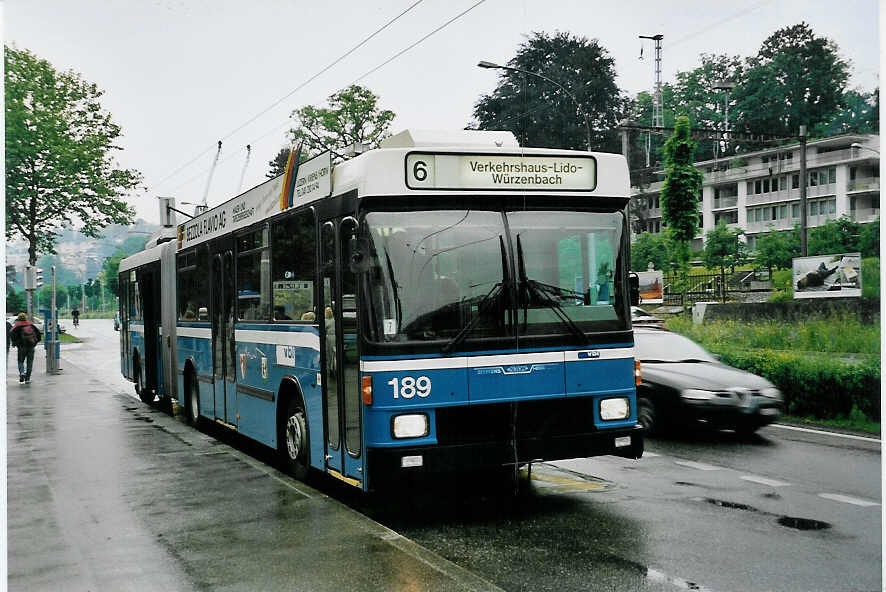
105,493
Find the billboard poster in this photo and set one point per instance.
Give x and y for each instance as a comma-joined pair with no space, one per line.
827,276
651,286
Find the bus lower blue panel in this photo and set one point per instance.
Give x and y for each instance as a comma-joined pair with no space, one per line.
257,418
516,381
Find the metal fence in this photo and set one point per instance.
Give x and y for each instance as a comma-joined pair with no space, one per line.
712,287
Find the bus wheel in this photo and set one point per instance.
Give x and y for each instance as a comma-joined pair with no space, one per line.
292,443
144,394
193,402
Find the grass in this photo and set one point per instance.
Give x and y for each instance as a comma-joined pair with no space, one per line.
856,422
67,338
837,334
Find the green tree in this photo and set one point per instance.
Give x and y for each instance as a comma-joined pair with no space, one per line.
353,116
59,165
539,113
682,184
15,302
723,248
859,113
835,236
795,79
776,248
869,239
655,248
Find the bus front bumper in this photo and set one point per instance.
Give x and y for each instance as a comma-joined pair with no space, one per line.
626,443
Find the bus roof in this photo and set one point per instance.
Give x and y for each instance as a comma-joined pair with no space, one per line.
142,257
429,163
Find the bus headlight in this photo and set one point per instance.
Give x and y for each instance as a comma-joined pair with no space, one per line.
771,393
611,409
697,395
414,425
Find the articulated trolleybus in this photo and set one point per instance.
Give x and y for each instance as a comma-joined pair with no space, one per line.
448,301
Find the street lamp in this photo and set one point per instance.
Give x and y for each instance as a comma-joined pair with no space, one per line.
727,86
490,65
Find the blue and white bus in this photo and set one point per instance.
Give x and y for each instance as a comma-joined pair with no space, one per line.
447,301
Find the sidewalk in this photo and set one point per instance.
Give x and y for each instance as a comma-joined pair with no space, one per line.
105,493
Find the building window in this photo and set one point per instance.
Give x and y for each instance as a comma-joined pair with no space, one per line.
832,175
795,210
765,185
795,181
758,214
750,216
775,184
750,188
832,206
783,211
813,208
813,179
758,186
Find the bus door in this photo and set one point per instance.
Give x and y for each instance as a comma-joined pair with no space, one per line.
340,357
224,367
148,279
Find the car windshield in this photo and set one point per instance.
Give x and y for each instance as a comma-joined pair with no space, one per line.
668,347
452,275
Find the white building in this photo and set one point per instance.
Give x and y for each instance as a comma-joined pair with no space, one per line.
760,190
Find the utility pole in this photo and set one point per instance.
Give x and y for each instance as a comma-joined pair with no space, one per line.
657,119
803,222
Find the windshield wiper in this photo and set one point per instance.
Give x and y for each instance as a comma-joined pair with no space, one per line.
482,308
395,287
542,292
484,304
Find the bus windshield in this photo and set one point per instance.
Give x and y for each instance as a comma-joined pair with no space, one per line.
451,275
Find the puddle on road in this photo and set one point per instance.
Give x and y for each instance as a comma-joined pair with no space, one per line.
788,521
803,523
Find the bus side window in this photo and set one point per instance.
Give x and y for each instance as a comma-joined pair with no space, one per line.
193,284
253,272
293,265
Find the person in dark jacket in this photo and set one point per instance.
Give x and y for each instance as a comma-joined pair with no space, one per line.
25,336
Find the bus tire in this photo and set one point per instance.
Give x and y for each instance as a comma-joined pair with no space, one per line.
146,395
292,441
192,400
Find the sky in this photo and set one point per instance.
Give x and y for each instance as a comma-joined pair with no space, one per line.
179,75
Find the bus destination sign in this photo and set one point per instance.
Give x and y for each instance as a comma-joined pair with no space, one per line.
492,172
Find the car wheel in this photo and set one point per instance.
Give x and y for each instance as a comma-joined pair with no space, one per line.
746,429
292,443
646,415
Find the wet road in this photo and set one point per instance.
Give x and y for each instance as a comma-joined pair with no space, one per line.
783,510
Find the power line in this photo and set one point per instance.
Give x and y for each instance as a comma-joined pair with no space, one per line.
718,23
293,91
386,62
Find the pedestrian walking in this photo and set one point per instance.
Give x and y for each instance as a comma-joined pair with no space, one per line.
25,336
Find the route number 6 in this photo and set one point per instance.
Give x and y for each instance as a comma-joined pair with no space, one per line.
420,171
408,387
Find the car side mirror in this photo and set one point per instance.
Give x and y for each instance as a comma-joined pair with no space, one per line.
634,286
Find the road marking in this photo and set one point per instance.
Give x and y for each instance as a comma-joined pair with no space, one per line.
847,499
697,465
650,454
835,434
764,481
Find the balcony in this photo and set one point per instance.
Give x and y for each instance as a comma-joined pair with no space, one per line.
724,202
864,184
865,215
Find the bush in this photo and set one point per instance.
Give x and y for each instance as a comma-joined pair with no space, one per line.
815,385
870,277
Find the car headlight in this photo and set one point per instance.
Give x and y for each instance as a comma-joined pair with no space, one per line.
413,425
617,408
771,393
697,395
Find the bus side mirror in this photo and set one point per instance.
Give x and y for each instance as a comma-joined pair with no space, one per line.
634,283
